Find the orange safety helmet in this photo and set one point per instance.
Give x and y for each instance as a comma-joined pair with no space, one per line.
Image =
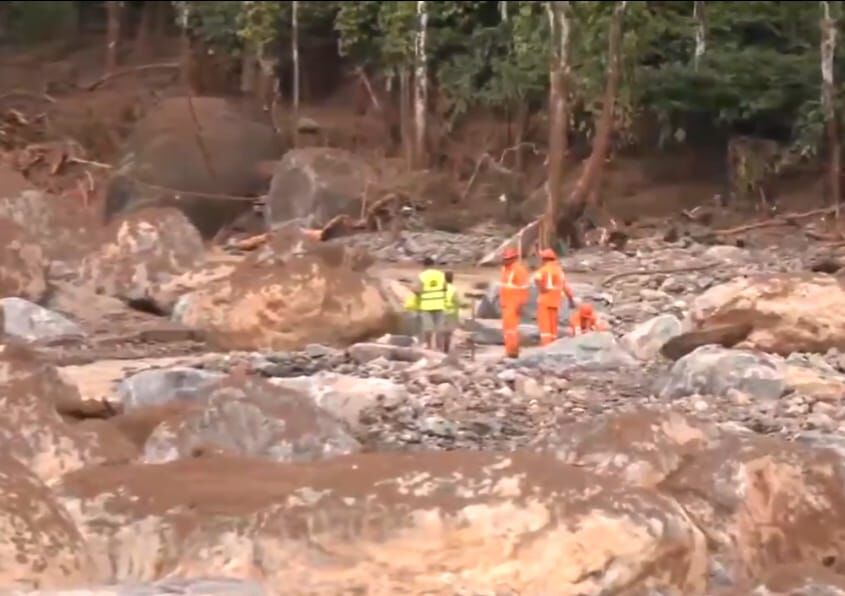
586,310
509,254
547,254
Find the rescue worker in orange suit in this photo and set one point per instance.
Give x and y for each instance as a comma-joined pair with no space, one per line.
584,320
551,285
513,295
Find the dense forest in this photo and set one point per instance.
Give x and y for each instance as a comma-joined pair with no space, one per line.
609,75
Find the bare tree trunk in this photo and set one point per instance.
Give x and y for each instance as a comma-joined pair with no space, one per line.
113,10
405,120
295,56
421,86
700,16
503,10
576,202
184,16
559,73
144,34
827,54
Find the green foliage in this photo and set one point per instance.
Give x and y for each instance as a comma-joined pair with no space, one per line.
32,22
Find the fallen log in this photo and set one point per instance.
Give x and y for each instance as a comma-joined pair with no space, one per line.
727,336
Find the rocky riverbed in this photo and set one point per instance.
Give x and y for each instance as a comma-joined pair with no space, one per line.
217,443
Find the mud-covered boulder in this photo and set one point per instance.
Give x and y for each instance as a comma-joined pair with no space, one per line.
22,264
638,448
251,418
800,580
163,150
40,546
714,370
32,395
27,321
286,304
316,184
787,313
142,250
389,523
64,230
646,339
763,502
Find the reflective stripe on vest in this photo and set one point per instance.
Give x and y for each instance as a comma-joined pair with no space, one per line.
433,295
510,284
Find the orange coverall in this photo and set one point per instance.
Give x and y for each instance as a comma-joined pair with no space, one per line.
583,320
513,294
551,284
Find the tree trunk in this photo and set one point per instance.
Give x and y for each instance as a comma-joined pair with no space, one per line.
503,10
112,34
421,86
700,17
827,53
405,119
295,56
559,73
576,202
184,16
144,34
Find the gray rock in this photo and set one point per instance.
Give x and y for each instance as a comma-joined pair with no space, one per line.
161,386
529,387
594,351
725,252
490,333
645,340
437,426
402,341
714,370
344,396
31,322
252,418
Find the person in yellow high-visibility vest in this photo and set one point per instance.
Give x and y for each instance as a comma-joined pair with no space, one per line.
452,310
431,291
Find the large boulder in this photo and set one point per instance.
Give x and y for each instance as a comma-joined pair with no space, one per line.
160,386
316,184
40,546
143,249
32,395
251,418
646,339
763,502
344,396
27,321
388,524
714,370
286,304
164,150
641,447
787,313
63,229
22,264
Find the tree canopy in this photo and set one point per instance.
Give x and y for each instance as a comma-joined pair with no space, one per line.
759,73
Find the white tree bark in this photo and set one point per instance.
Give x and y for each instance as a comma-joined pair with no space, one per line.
421,84
699,15
503,10
828,98
295,54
